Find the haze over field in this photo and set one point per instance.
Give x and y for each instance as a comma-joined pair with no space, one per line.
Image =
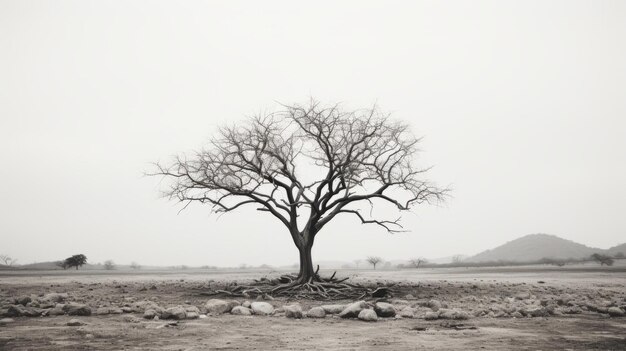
522,113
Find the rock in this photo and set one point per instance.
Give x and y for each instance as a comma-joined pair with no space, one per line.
127,309
615,312
217,306
192,309
408,312
429,316
19,310
54,297
368,315
353,310
23,300
572,310
246,304
434,305
177,312
150,314
564,299
333,309
384,309
316,312
535,312
293,311
57,310
456,314
409,297
75,322
262,308
77,309
15,311
108,310
193,315
141,306
241,311
522,296
5,321
516,314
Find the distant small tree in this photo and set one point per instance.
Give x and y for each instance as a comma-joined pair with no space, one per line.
76,261
619,255
7,260
135,265
457,259
61,264
357,263
374,260
416,262
602,259
109,265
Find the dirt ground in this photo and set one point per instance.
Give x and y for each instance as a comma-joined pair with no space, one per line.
574,325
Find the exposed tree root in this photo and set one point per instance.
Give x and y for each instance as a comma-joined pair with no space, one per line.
291,286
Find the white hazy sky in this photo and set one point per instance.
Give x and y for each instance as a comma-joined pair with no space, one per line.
522,105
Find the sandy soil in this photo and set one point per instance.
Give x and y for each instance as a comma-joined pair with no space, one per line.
472,291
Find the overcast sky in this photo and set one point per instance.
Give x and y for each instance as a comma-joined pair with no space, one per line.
522,105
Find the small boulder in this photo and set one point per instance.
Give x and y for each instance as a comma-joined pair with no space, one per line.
177,312
57,310
333,309
293,311
150,314
75,322
316,312
5,321
429,316
368,315
241,311
246,304
23,300
616,312
217,306
384,309
353,310
408,312
434,305
55,297
535,312
77,309
262,308
192,315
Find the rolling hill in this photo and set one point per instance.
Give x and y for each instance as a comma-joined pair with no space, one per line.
537,246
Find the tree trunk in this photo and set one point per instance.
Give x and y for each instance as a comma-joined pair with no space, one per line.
307,273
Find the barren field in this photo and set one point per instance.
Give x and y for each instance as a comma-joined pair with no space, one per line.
521,308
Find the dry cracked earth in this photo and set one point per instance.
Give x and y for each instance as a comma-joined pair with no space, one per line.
448,310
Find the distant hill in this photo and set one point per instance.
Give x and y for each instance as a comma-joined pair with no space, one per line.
617,249
537,246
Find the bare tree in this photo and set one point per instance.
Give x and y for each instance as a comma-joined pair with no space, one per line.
416,262
135,265
363,157
7,260
374,260
357,263
457,259
109,265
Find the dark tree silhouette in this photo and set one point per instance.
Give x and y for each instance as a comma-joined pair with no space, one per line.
7,260
75,261
374,260
602,259
416,262
361,156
